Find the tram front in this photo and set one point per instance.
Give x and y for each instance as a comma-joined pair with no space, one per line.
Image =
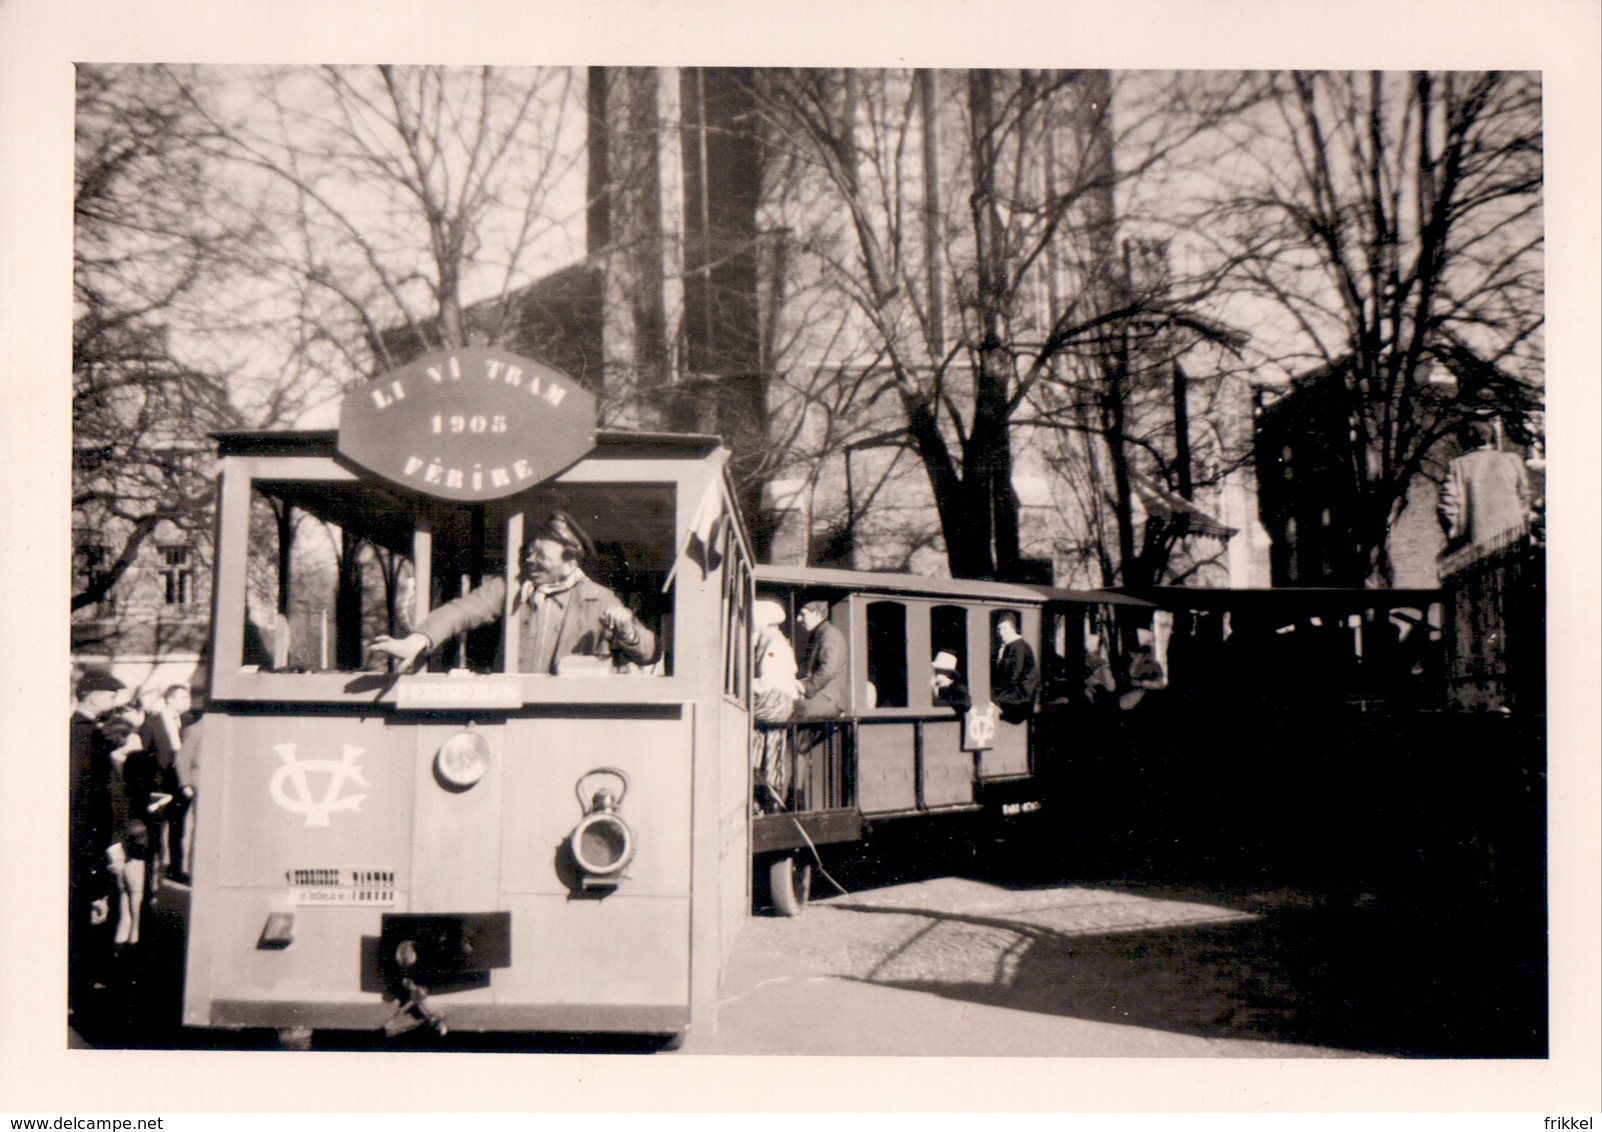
475,753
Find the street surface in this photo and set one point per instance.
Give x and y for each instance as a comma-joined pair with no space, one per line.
934,953
959,967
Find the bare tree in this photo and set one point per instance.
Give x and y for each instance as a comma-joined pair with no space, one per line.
966,222
406,208
1393,221
151,237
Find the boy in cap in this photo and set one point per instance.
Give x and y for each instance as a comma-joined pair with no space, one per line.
564,612
1487,492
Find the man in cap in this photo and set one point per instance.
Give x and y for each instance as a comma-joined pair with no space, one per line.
564,613
94,816
823,688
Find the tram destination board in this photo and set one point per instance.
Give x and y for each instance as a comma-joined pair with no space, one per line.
468,425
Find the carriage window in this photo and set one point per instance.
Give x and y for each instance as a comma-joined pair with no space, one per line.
1062,653
887,652
948,632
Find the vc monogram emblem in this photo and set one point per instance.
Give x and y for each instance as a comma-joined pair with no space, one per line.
981,726
291,786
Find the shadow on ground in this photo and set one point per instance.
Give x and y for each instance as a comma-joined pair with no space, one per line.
1377,978
1382,884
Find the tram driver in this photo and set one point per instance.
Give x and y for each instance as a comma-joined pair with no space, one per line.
570,623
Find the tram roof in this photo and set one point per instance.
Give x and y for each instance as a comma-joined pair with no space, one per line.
824,578
323,442
1313,599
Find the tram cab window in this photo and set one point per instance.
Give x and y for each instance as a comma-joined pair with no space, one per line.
322,577
948,632
887,653
331,566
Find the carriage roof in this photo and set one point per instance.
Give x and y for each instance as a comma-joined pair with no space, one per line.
823,578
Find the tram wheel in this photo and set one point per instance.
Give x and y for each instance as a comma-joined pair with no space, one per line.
789,885
297,1039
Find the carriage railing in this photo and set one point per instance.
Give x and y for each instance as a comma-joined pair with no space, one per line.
802,767
1515,540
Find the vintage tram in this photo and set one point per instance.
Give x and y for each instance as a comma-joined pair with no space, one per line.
468,846
473,845
900,752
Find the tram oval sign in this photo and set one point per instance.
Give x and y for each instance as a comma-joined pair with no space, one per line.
468,424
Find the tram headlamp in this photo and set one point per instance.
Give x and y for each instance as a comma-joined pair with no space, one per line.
463,759
602,844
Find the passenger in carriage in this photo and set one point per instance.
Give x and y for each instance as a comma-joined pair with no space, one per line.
1487,492
775,685
775,690
1015,677
823,688
570,622
950,689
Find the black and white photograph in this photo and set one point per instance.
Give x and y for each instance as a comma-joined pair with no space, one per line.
658,558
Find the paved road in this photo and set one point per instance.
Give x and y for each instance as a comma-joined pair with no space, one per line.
959,967
930,957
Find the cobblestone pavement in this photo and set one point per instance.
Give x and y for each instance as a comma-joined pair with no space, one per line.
1245,971
1168,962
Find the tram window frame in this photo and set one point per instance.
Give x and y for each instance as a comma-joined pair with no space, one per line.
952,638
737,601
325,640
886,645
1062,652
243,667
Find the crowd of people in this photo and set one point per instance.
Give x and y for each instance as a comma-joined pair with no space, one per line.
134,771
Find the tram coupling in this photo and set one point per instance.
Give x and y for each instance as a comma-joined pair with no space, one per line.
414,1012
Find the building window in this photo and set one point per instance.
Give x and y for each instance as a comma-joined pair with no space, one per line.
178,575
90,567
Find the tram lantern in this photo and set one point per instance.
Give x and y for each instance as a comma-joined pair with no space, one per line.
602,844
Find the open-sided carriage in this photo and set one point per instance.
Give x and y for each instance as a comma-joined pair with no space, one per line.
468,846
899,752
